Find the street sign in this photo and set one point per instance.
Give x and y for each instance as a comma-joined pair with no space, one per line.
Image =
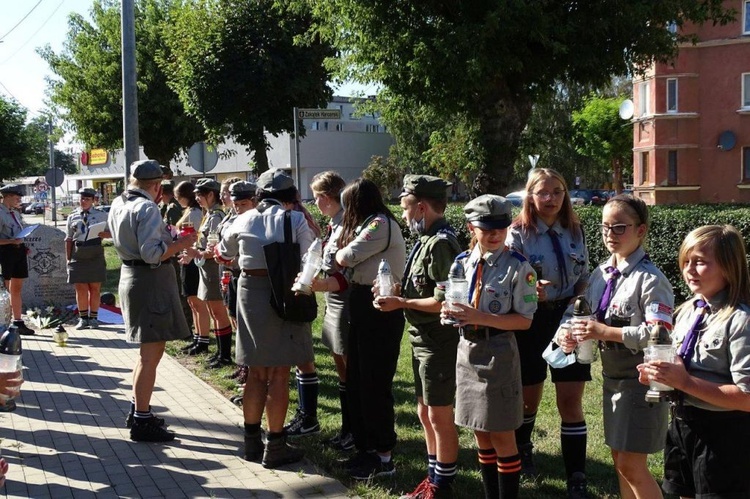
202,157
54,176
319,114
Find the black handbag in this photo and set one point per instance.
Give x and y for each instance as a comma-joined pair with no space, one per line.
283,263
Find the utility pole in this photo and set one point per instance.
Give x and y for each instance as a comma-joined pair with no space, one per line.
52,169
129,89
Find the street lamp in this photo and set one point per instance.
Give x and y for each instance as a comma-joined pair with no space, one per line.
533,159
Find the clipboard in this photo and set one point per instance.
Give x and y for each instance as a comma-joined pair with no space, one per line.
26,232
94,230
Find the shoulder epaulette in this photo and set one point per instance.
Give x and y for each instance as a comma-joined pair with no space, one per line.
518,256
463,255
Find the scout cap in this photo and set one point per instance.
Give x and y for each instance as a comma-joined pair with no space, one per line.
146,169
425,186
489,212
87,192
242,190
207,184
11,189
274,181
167,186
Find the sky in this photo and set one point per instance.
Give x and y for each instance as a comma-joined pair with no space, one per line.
26,25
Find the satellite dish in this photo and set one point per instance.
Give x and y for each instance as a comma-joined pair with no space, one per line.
627,109
727,140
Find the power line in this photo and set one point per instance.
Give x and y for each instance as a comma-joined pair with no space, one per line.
9,92
33,35
19,22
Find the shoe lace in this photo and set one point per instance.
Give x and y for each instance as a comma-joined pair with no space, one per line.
421,490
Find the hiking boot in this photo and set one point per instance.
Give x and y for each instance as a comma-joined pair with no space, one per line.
577,486
24,329
149,432
278,453
373,467
82,324
130,418
219,363
198,349
302,425
527,460
253,447
340,442
94,323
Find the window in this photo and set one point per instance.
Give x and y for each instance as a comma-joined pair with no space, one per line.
672,167
672,27
644,97
315,125
746,17
644,167
339,127
746,163
671,95
325,126
746,90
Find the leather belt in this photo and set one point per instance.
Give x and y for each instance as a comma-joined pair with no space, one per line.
692,413
135,263
255,272
90,242
481,333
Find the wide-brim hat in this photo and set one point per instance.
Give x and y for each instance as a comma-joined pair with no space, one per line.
489,212
207,184
12,189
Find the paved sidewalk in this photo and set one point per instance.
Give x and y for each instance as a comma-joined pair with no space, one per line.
68,439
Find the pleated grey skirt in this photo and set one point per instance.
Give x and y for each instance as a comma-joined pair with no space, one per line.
209,288
630,423
263,338
87,264
336,322
151,304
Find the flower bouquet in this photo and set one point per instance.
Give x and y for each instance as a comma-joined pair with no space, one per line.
50,316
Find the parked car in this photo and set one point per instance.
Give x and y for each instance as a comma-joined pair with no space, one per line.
36,208
516,198
590,196
104,208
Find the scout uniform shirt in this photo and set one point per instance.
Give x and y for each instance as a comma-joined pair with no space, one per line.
78,224
209,224
10,222
722,352
330,244
138,231
379,237
642,296
536,245
507,284
427,269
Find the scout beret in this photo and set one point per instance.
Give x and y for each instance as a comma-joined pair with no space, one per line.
275,180
11,189
87,192
489,212
146,169
242,190
207,184
425,186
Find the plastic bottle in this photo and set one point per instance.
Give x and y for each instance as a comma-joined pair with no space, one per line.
457,290
313,260
585,351
10,360
6,314
385,279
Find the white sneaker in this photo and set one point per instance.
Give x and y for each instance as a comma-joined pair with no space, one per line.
82,324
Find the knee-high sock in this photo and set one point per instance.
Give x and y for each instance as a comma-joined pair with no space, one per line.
573,438
488,469
308,385
345,428
523,433
509,476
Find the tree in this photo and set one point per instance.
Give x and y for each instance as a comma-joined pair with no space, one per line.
494,60
237,68
88,91
385,173
14,140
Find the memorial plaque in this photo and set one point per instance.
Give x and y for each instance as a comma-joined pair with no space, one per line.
47,283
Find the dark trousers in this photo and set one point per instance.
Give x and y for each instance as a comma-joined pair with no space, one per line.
374,346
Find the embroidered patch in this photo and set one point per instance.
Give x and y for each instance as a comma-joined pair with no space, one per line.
495,306
374,225
532,298
531,279
660,312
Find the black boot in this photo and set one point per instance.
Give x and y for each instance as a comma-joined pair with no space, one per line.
190,345
253,446
279,453
198,349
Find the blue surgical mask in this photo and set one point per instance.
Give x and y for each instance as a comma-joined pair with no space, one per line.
416,228
556,358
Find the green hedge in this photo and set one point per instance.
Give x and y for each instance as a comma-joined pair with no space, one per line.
669,226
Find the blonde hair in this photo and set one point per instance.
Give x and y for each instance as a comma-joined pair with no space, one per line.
227,183
328,183
526,219
728,249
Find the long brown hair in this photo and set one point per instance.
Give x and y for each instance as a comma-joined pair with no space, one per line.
361,199
527,218
185,190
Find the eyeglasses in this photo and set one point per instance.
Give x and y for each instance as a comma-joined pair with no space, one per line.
549,195
617,229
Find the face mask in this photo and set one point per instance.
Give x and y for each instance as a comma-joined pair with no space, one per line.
341,200
415,227
557,358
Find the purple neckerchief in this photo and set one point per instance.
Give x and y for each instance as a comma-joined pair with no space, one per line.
687,349
606,298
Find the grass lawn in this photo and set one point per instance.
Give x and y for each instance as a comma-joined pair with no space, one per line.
409,454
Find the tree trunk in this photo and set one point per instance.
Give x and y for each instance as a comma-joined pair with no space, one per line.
617,174
503,115
259,147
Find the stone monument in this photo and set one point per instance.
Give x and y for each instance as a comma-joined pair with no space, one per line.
47,283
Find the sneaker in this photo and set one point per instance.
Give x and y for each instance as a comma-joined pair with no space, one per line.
82,324
94,323
527,459
418,493
130,418
24,329
340,442
428,490
148,432
356,460
373,468
577,486
302,425
237,373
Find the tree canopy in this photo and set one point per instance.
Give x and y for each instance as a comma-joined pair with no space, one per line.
87,92
494,60
237,68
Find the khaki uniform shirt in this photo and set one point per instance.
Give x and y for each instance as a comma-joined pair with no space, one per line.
333,231
379,237
76,228
722,352
138,230
536,245
11,222
210,223
427,269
